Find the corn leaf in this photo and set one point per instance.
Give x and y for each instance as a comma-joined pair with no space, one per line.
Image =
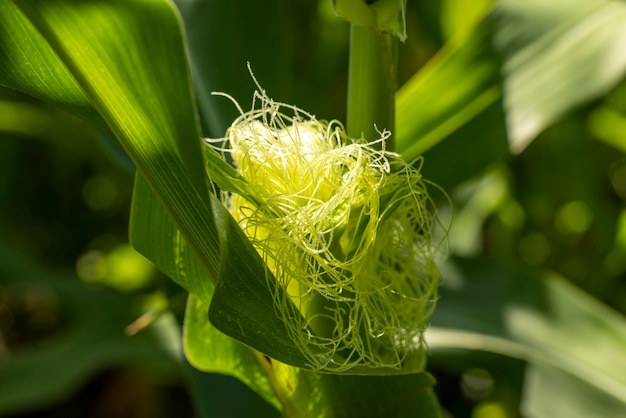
326,395
454,101
557,55
570,339
25,53
302,392
245,313
209,350
110,50
553,57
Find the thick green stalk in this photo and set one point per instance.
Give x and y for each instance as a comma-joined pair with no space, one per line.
372,82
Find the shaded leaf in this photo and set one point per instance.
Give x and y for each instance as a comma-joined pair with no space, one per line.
154,235
302,392
224,396
218,54
209,350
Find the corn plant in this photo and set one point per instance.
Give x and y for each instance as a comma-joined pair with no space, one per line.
312,250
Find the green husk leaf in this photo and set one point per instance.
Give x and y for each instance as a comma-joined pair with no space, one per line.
313,394
209,350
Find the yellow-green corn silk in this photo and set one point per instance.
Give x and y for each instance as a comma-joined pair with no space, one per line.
346,231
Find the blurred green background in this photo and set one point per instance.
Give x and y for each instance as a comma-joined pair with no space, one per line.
88,328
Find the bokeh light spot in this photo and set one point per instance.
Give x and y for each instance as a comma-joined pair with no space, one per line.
127,269
123,268
512,214
574,217
477,384
91,267
489,410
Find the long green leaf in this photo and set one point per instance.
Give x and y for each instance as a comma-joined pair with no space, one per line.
457,84
557,55
110,49
301,392
24,53
454,104
542,319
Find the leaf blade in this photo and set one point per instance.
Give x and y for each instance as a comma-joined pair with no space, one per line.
541,319
557,56
108,48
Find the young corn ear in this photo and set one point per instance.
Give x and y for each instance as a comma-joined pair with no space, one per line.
345,228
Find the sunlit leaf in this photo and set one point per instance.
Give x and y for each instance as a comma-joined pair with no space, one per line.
541,319
557,55
24,52
453,104
338,396
576,398
100,44
459,16
110,49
